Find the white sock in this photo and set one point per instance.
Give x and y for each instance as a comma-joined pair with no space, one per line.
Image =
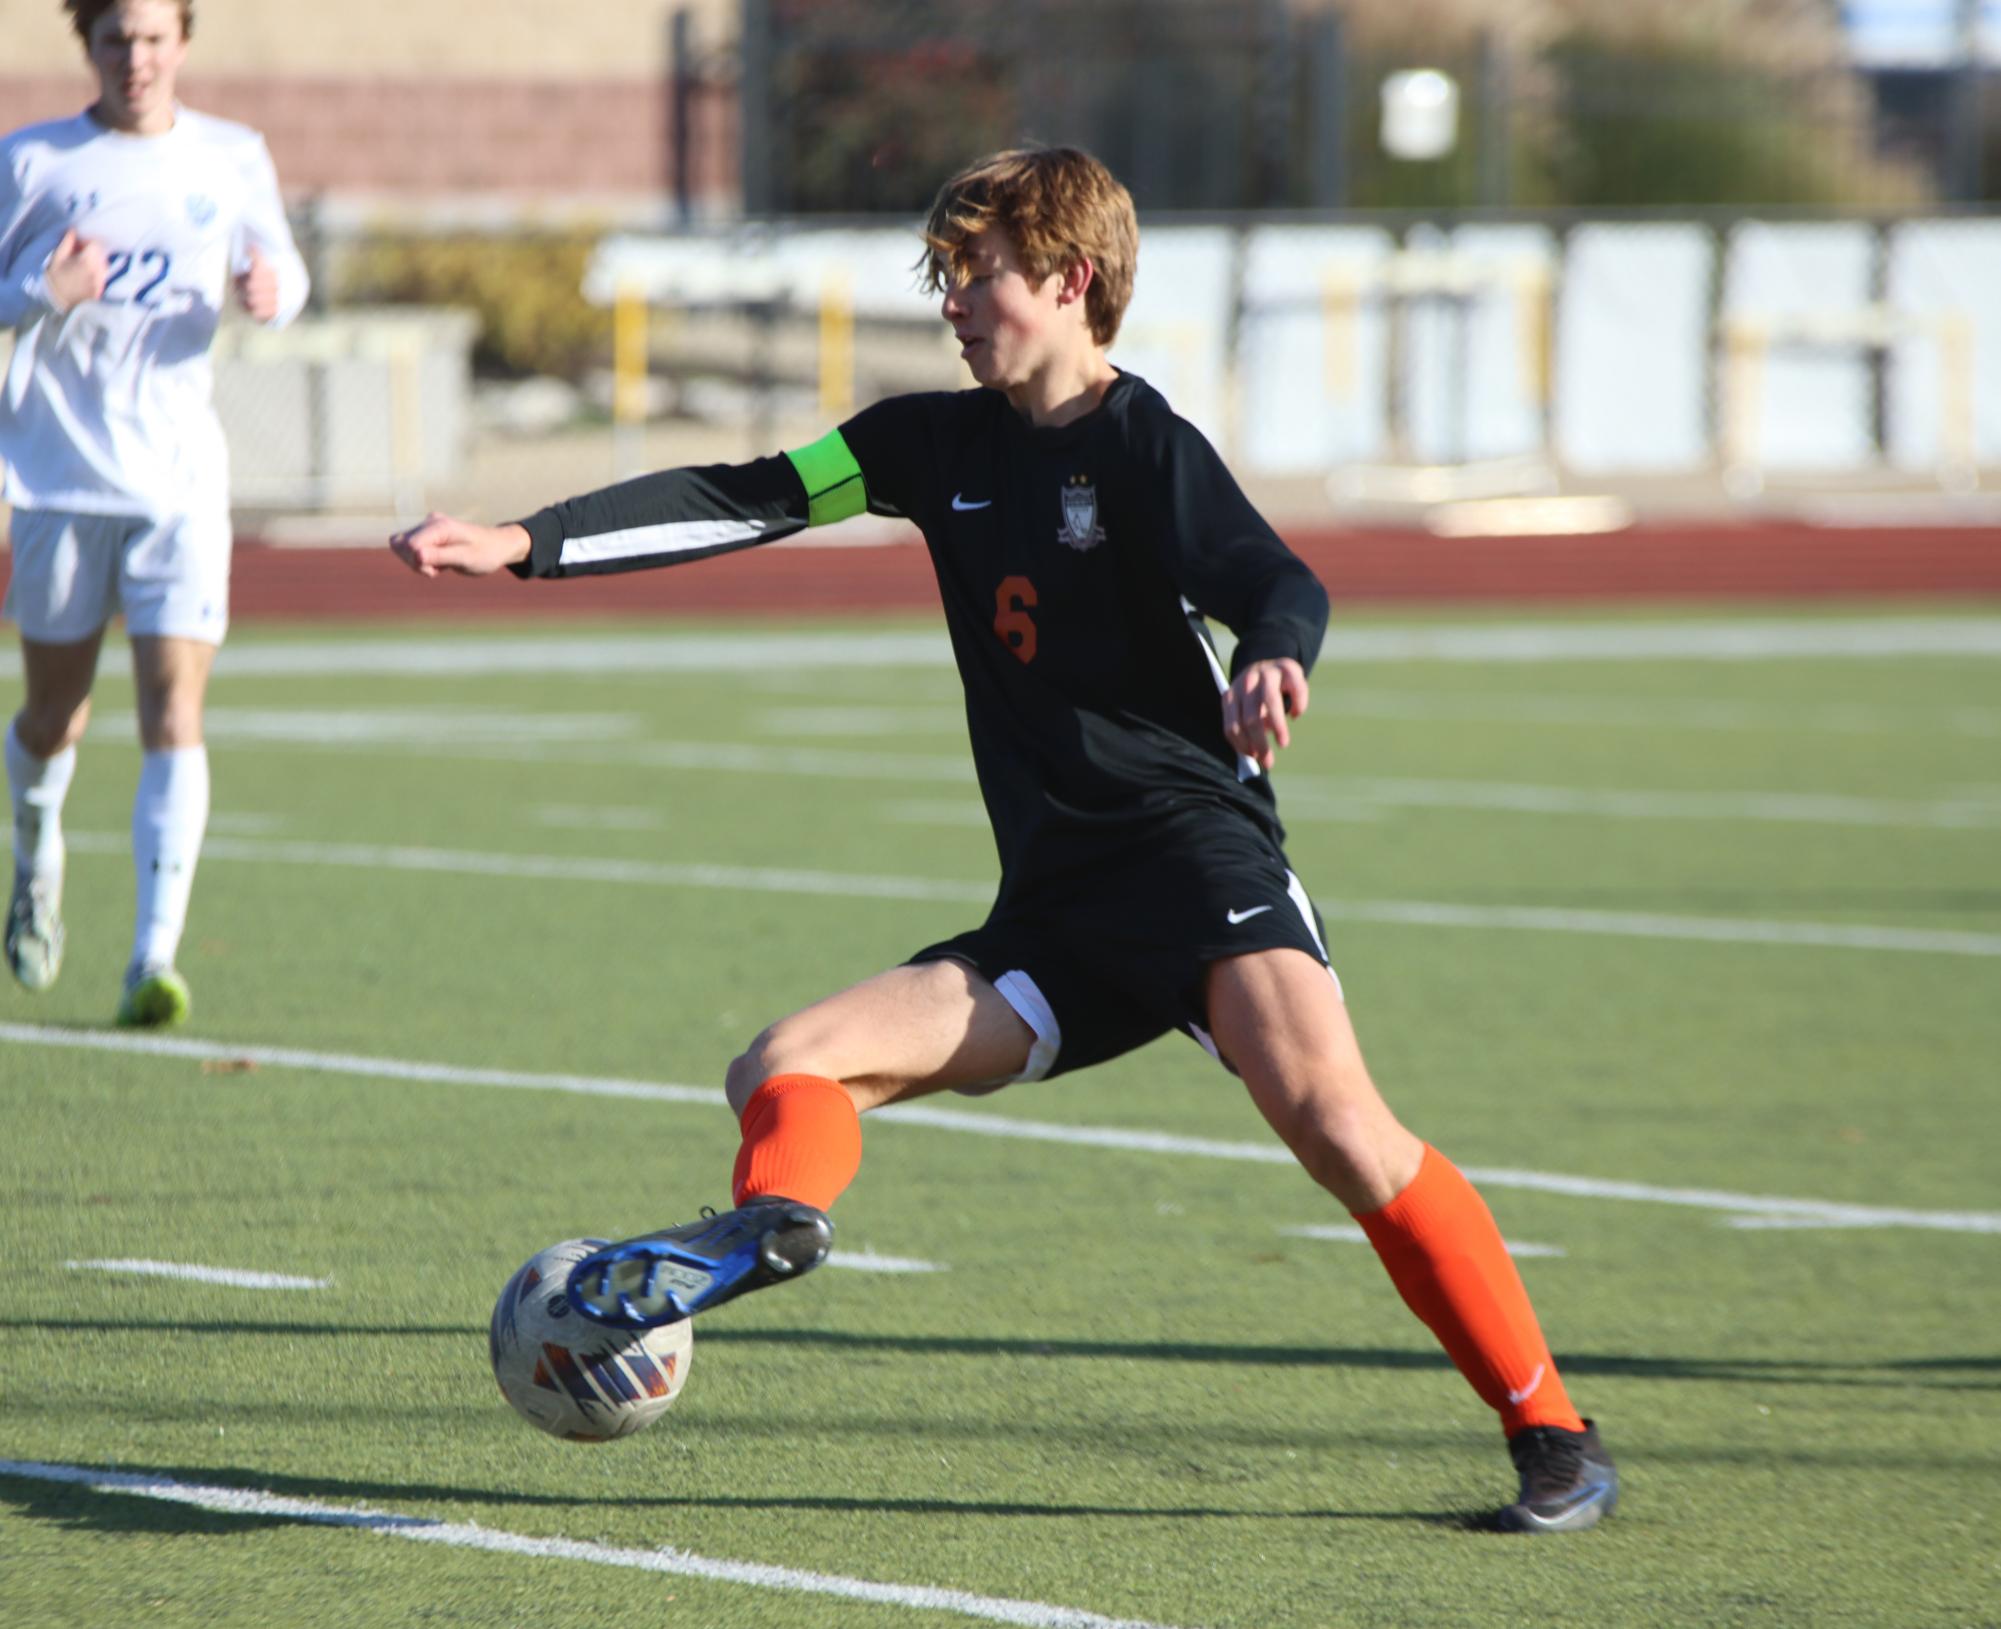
38,787
169,816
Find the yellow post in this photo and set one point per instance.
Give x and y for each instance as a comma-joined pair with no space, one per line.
1340,302
837,346
1535,301
628,377
1742,406
1959,458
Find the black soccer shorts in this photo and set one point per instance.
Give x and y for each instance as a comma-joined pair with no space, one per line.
1100,959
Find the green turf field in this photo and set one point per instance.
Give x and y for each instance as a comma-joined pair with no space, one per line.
1693,960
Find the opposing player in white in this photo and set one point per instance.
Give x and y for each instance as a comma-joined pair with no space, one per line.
121,232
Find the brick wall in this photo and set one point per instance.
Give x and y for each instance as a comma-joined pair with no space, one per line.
547,137
425,96
493,39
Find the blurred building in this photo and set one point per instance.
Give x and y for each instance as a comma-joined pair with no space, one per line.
705,108
429,97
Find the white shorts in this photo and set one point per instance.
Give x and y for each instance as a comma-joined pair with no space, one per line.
71,573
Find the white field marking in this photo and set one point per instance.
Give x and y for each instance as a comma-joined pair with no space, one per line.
702,757
370,1068
946,812
1818,1219
1642,712
468,1536
867,1261
1642,925
392,726
235,1277
577,817
1807,1211
665,653
861,885
242,823
1643,641
1306,797
1726,640
936,812
1348,1233
553,868
1309,796
861,720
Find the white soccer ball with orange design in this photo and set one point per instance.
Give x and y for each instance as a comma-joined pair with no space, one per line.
574,1378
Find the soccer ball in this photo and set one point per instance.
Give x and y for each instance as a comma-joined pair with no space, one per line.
574,1378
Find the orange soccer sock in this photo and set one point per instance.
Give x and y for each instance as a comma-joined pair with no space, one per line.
1446,1258
802,1139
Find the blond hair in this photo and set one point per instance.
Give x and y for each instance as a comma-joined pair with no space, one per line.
1057,205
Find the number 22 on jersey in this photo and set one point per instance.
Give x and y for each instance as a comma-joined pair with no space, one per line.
1013,600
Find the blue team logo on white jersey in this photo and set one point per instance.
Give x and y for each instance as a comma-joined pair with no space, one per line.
201,208
1081,530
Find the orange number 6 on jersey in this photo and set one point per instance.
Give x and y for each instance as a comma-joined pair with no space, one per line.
1011,619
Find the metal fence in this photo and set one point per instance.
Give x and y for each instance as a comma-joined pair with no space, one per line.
866,105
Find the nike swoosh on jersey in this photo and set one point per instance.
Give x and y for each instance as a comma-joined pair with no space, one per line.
1244,916
959,502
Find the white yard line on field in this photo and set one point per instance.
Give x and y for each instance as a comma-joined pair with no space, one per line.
252,1502
1721,640
862,885
867,1261
1313,796
1799,1212
234,1277
389,726
1348,1233
589,739
1655,713
1651,713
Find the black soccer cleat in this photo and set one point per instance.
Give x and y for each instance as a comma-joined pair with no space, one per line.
1568,1481
661,1278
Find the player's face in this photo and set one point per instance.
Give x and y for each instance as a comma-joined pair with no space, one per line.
137,48
1006,325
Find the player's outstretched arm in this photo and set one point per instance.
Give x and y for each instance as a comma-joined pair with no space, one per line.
446,543
1257,705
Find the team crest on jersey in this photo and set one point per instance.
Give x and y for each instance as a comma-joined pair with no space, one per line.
1081,530
201,208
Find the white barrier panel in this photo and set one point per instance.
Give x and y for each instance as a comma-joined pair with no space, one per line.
1313,355
1479,355
1632,332
1796,387
1945,385
1176,331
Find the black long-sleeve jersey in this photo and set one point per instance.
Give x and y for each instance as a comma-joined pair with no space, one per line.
1076,564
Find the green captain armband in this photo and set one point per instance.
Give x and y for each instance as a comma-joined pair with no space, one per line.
834,486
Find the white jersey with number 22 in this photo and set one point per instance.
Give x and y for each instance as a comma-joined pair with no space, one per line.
105,408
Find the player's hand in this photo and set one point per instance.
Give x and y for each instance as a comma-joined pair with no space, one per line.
257,286
77,271
1258,703
444,543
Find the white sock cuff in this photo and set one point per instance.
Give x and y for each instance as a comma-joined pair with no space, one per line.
27,773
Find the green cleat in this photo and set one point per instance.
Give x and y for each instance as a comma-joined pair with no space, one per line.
155,997
35,931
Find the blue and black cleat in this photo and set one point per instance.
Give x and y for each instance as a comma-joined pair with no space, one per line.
1568,1481
661,1278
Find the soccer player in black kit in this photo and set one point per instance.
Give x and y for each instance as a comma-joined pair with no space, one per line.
1081,533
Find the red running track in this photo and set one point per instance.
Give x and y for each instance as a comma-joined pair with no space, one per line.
1729,560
